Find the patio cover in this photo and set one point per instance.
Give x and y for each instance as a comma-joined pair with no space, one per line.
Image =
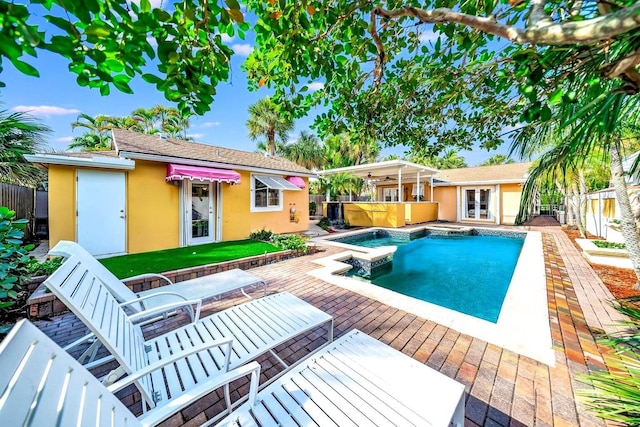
179,172
297,181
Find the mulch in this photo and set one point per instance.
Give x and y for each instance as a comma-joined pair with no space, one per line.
619,281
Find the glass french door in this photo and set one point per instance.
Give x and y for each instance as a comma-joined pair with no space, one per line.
200,218
478,203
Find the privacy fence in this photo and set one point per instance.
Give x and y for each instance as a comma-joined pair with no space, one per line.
19,199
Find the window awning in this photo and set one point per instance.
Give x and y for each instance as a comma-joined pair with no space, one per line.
193,173
297,181
276,182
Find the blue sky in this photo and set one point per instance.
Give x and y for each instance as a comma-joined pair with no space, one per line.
56,100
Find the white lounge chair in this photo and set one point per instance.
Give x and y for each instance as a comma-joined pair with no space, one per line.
356,381
41,385
256,327
165,299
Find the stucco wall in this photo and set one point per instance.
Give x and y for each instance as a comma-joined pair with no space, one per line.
62,204
510,195
446,198
152,209
238,221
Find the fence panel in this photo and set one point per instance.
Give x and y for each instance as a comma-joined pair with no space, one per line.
19,199
318,199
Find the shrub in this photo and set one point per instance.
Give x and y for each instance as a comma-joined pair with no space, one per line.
616,394
312,207
608,245
44,268
324,223
14,257
262,235
289,242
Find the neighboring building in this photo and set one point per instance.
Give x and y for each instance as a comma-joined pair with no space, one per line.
152,193
483,194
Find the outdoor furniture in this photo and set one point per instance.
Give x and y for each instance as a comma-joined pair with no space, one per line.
355,381
41,385
256,327
165,299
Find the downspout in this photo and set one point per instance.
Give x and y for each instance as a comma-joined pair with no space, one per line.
418,186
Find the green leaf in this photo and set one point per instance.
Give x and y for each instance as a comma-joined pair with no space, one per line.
145,6
233,4
97,30
25,68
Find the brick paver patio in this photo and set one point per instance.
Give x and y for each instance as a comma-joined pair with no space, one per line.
503,388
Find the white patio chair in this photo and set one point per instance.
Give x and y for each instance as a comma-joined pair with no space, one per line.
41,385
355,381
164,299
256,327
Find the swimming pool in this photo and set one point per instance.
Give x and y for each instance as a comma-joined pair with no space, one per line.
469,274
523,321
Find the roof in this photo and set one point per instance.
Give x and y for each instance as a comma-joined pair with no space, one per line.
99,159
152,147
511,172
383,169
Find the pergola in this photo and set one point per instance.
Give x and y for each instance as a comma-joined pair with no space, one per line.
381,172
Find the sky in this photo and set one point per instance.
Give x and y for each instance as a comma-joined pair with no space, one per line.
56,100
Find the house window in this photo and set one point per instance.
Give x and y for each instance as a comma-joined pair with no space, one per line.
267,192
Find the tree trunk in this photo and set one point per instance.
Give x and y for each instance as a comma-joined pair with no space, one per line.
627,218
582,199
576,208
271,137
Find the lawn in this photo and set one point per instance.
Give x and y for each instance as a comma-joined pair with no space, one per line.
174,259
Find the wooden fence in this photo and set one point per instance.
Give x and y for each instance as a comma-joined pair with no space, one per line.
19,199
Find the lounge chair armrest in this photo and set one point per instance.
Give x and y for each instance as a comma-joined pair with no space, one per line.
165,308
148,275
172,359
157,415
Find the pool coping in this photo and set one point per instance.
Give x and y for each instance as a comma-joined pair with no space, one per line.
523,325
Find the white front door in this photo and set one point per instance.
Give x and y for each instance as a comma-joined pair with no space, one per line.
100,211
200,216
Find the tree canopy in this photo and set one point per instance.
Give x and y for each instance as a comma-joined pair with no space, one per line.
108,43
439,74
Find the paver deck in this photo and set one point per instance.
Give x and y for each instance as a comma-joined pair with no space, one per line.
503,388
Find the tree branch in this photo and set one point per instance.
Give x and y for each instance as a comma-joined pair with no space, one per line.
587,31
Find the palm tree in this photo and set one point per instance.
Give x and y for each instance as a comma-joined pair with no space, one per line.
98,126
265,119
450,159
580,130
497,159
20,134
306,151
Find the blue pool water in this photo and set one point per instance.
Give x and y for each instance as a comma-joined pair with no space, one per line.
469,274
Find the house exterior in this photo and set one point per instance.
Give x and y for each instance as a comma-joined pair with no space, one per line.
483,194
403,193
152,193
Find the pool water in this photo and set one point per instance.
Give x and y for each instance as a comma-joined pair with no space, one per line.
469,274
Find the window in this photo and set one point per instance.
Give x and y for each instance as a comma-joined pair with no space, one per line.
267,192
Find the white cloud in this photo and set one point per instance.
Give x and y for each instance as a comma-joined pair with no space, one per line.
65,139
208,124
195,136
428,36
152,41
44,110
315,86
156,3
226,38
242,49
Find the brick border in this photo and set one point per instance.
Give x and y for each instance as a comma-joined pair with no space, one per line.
44,304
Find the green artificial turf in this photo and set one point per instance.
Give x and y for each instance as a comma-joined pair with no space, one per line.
173,259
